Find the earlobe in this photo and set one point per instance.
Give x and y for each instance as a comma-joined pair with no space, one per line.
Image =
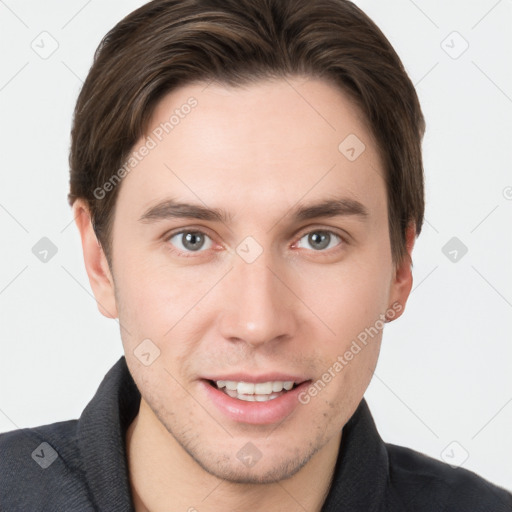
96,263
402,280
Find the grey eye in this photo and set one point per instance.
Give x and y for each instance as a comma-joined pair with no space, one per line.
319,240
191,241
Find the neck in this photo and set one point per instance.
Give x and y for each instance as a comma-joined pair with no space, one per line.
162,473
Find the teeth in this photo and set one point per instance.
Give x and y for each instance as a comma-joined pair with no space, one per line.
249,388
245,388
251,398
277,386
263,388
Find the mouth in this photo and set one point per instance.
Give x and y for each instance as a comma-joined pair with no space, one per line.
254,392
257,400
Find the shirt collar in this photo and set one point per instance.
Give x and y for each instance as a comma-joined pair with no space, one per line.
361,473
359,480
101,437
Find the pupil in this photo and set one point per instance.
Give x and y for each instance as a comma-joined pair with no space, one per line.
319,240
193,241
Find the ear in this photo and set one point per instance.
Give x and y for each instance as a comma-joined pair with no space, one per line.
401,283
96,263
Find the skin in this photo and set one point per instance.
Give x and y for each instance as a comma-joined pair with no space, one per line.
256,152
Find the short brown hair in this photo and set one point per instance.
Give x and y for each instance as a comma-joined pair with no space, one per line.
170,43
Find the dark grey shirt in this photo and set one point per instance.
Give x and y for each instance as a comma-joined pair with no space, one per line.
80,466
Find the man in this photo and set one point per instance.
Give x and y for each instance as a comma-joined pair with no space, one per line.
247,181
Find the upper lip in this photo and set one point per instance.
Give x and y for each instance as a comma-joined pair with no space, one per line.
266,377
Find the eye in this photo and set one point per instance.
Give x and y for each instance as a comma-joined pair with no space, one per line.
190,241
319,240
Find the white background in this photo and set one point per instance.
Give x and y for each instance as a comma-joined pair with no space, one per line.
445,372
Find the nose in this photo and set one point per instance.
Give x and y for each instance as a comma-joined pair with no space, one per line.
258,305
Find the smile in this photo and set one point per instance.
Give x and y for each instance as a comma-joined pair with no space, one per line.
254,392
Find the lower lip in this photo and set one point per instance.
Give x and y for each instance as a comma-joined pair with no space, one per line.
257,413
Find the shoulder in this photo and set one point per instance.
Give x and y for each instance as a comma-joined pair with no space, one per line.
40,468
422,483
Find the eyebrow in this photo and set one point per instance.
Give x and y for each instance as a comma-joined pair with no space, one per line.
170,208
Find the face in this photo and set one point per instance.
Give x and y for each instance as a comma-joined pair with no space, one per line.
250,247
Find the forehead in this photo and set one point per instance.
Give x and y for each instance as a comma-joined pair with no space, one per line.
263,145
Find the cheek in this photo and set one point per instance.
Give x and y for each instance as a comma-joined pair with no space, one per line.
149,290
348,299
161,303
350,303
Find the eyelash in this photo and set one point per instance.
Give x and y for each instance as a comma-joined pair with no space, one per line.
189,254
